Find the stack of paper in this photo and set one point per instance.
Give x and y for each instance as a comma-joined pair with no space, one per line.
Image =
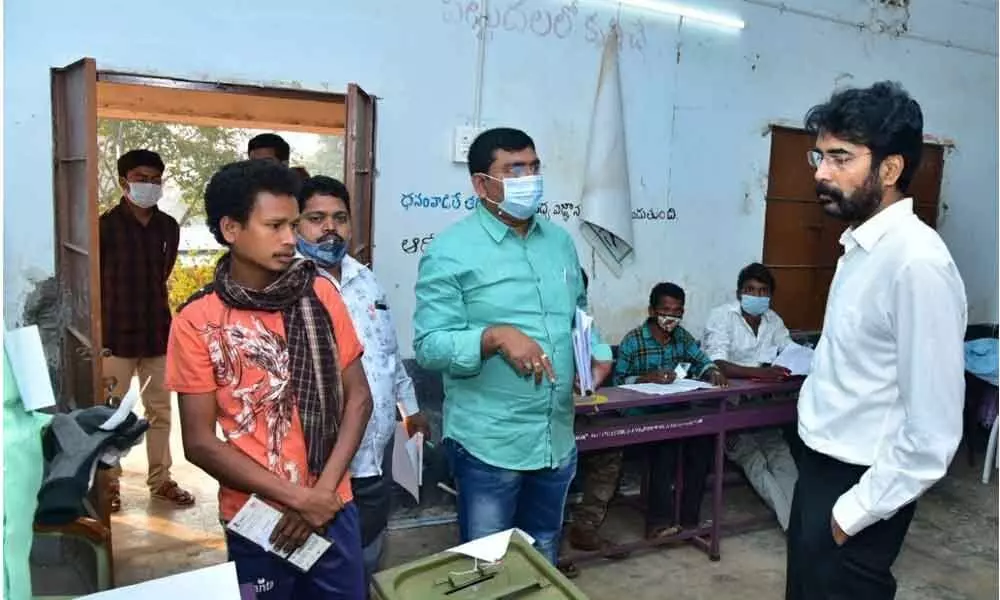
795,358
661,389
408,461
582,326
257,520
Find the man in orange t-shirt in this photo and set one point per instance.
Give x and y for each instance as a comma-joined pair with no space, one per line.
268,353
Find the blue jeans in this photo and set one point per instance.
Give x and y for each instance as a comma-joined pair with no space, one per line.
338,575
491,499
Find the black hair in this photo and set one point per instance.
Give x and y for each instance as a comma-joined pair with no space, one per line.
757,272
665,290
139,158
271,140
586,280
882,117
482,152
232,191
325,186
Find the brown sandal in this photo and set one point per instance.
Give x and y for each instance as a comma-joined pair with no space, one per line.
568,569
171,492
114,496
657,533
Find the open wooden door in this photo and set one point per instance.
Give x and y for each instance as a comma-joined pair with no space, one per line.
359,169
78,264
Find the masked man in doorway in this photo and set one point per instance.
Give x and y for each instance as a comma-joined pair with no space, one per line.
496,296
324,234
139,245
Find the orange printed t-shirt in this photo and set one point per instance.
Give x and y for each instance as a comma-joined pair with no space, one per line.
242,357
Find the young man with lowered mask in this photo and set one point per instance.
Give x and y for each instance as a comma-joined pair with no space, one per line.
324,235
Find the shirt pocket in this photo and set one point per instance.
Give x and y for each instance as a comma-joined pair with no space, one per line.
558,284
385,332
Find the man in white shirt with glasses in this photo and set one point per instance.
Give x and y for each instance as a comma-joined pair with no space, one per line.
881,411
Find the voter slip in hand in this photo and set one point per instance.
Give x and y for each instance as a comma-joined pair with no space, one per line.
255,522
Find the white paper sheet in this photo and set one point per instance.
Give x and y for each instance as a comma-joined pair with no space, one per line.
681,370
408,461
31,371
582,328
255,522
796,358
490,548
125,407
605,203
217,582
661,389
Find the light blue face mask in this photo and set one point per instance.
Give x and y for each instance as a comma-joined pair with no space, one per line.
755,305
327,253
521,196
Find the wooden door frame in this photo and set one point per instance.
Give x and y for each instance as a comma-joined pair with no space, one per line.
83,344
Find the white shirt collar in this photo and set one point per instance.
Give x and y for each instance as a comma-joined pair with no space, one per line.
868,234
349,269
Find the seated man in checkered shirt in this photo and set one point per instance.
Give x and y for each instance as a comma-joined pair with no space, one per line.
649,354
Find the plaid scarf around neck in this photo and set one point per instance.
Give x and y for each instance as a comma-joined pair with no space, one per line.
314,365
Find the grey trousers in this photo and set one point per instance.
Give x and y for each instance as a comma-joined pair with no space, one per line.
767,462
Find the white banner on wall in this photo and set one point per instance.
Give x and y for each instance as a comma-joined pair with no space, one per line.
605,204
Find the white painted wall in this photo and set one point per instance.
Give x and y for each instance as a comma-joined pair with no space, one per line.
698,101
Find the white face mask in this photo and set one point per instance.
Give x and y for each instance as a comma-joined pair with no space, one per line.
144,195
668,323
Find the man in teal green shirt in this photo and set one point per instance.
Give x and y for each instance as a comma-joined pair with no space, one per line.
495,301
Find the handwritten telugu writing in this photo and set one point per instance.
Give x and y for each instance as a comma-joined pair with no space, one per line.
416,244
564,210
458,201
454,201
649,214
516,16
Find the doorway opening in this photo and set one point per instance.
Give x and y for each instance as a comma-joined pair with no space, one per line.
196,126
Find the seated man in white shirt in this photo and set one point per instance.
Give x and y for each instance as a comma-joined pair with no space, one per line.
324,235
743,337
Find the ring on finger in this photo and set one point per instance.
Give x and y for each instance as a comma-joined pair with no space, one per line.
544,357
536,366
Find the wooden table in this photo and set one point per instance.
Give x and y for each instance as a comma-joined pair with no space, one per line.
713,411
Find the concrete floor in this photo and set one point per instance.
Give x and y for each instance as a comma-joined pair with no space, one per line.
950,553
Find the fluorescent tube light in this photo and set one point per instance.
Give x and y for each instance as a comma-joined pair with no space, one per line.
681,10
